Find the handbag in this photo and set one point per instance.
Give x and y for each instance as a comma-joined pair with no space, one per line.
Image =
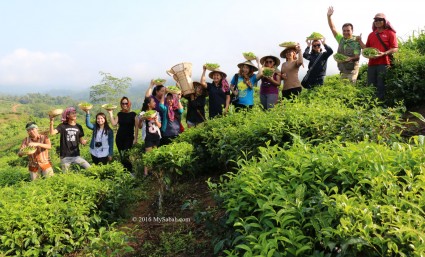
305,80
391,56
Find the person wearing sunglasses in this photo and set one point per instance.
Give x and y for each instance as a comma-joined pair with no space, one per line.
127,133
348,46
383,37
269,89
318,61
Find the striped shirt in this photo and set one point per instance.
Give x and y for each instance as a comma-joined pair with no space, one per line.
39,159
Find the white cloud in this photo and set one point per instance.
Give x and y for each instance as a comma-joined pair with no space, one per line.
23,67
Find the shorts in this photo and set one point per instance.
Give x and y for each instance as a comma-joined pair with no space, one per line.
152,143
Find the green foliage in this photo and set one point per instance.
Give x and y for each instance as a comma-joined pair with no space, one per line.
110,89
352,110
351,199
64,213
12,175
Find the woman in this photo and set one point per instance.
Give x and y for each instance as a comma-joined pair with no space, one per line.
292,85
242,84
269,89
102,140
127,131
156,93
218,91
318,61
172,111
196,106
150,126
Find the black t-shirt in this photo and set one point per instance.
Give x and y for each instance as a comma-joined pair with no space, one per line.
217,99
69,139
196,110
152,131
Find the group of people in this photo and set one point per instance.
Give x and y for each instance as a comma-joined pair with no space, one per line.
166,123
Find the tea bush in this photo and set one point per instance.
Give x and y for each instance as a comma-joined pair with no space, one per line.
335,199
63,213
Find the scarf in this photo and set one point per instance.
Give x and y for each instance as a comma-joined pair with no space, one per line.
171,108
66,112
225,85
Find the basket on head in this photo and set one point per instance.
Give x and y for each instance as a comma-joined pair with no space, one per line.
109,107
159,82
55,112
182,74
85,106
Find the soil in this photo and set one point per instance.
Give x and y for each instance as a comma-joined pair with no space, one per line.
176,225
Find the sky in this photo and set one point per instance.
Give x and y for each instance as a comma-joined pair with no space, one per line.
52,45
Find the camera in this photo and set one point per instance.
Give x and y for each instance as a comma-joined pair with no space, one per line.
98,144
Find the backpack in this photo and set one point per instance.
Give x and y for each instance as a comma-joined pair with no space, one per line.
235,98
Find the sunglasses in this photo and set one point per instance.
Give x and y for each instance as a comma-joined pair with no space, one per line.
124,103
378,19
316,45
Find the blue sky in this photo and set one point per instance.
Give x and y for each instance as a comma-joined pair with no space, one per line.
49,44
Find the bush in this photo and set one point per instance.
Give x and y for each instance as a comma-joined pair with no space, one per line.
351,199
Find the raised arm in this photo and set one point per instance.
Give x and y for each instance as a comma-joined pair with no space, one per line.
300,55
88,123
203,78
52,131
150,88
114,121
330,22
260,70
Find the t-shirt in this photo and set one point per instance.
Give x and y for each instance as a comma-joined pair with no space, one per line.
291,69
350,42
216,100
150,130
245,93
196,109
69,139
390,40
267,87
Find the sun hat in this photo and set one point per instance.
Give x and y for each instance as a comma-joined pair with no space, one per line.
283,53
223,75
276,60
249,63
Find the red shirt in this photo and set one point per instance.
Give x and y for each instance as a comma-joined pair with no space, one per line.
390,40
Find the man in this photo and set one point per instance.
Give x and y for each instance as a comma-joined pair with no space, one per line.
39,162
348,46
383,37
71,135
318,62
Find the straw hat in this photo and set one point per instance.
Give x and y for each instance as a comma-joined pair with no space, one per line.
249,63
276,60
223,75
283,53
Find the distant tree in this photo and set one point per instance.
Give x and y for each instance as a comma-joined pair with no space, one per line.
110,89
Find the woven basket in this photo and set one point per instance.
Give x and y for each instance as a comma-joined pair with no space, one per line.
369,56
340,61
182,74
55,112
110,107
159,83
85,108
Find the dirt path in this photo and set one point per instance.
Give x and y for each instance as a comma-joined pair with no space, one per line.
15,107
